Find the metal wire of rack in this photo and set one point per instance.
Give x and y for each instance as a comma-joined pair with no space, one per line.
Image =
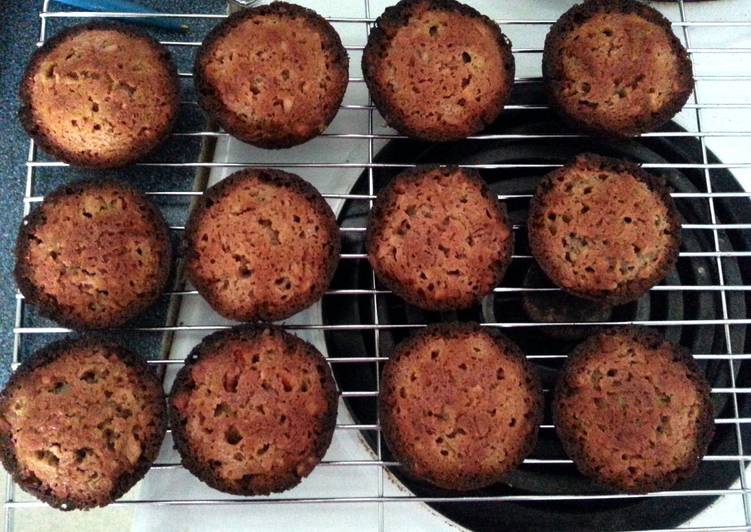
25,329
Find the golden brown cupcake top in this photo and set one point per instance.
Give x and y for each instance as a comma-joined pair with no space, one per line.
439,237
100,95
274,75
635,409
604,229
438,70
617,66
93,254
460,407
79,420
255,411
262,244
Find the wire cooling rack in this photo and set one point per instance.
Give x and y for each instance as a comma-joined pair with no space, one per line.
720,69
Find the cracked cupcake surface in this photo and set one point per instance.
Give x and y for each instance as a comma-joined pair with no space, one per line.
93,254
253,410
100,95
272,76
633,410
439,238
604,229
616,67
81,421
459,406
261,244
437,69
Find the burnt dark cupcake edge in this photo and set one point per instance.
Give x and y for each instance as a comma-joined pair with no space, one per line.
215,108
26,113
551,68
398,16
52,352
391,431
380,211
206,349
570,438
625,292
47,306
281,179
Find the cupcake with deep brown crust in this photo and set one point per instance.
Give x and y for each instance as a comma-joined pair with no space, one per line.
272,76
459,406
550,307
439,238
253,410
615,67
261,245
81,421
437,69
604,229
633,410
100,95
93,254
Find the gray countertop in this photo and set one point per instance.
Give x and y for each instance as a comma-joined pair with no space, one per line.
19,25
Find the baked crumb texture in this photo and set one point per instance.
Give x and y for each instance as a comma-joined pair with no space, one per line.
459,406
437,69
253,410
633,410
261,245
93,254
604,229
81,422
439,238
100,95
272,76
615,67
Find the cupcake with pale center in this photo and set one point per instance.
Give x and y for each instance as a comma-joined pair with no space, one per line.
253,410
633,410
81,421
615,67
93,255
272,76
439,238
437,70
459,406
100,95
604,229
261,245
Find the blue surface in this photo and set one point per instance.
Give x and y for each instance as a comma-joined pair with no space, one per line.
20,27
19,30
